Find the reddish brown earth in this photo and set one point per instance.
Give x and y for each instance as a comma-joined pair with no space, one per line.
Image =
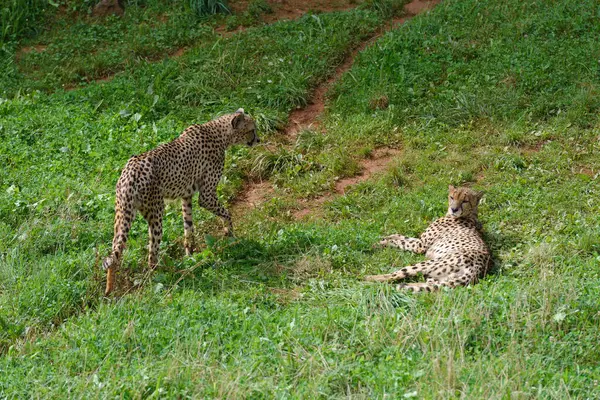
584,170
37,48
534,148
287,10
178,52
378,162
308,117
418,6
292,9
251,196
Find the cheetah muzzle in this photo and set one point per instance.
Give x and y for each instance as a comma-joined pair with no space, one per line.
176,170
454,245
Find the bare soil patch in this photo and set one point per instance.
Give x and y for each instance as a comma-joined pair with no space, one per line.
292,9
585,170
38,48
287,10
179,52
251,196
378,162
534,148
418,6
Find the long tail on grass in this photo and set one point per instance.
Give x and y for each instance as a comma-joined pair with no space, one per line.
124,215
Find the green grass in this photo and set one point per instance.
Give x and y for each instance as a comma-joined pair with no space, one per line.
63,152
497,94
209,7
78,48
19,17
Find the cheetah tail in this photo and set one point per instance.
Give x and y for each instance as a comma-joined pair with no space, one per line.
110,281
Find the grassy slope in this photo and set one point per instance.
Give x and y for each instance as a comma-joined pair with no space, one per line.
502,94
64,151
74,48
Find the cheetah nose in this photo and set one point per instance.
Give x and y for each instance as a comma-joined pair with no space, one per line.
454,209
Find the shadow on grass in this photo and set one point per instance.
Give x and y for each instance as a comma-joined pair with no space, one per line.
495,242
224,264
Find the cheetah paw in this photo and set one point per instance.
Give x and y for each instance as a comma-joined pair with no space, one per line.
391,240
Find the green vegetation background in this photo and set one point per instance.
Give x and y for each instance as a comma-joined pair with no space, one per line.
501,94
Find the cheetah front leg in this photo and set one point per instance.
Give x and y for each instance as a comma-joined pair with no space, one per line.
209,200
188,225
405,243
411,270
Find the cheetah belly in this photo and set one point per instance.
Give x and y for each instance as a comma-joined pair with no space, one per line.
450,242
439,249
179,188
182,185
179,192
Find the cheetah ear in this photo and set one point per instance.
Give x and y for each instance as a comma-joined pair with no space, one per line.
237,120
479,195
240,111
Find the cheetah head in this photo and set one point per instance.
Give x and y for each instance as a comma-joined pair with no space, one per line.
243,129
463,202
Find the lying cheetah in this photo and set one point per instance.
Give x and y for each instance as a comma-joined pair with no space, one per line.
191,163
456,251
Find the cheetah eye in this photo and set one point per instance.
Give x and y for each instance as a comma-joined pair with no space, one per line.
451,198
465,201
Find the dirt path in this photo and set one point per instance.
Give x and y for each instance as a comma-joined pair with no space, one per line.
378,162
308,117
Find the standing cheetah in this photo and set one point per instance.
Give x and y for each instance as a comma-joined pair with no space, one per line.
456,251
191,163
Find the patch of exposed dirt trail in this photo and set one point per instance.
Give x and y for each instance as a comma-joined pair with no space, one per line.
293,9
378,162
308,118
252,195
38,48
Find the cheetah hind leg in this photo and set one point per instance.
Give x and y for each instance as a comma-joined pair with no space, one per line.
431,285
411,270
